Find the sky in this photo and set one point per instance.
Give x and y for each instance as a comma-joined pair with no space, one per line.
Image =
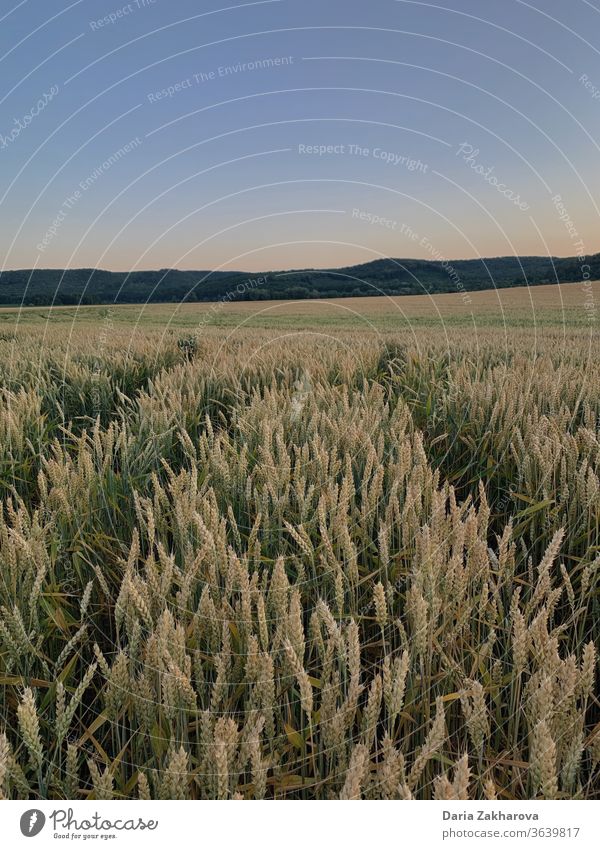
296,133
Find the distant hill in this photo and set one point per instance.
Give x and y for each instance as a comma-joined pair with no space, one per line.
43,287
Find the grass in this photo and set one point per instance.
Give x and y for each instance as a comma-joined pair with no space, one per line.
559,306
327,553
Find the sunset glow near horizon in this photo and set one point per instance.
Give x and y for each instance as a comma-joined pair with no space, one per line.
292,133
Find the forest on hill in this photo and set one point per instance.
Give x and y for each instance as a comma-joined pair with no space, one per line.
43,287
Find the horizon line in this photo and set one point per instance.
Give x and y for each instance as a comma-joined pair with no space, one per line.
549,257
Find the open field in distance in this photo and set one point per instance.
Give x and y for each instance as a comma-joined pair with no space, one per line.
555,305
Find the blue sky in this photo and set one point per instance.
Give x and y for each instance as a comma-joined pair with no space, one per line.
296,133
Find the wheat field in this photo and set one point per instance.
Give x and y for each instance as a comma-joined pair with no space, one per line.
309,563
